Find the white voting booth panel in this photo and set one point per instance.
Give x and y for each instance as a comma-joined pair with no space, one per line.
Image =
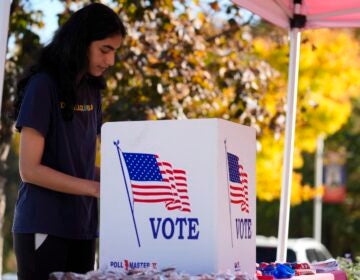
178,194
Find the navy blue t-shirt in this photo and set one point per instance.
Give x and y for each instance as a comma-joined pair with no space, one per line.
69,148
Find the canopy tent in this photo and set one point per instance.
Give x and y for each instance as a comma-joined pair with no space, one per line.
311,13
4,26
295,15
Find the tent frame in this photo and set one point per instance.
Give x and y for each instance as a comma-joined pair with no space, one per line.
283,228
4,27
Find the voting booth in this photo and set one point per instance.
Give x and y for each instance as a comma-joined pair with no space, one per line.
178,193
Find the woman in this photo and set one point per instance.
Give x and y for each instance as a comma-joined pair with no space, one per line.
59,117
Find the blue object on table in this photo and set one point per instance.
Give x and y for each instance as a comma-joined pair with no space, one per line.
283,271
268,270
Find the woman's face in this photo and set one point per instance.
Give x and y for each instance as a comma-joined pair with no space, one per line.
101,54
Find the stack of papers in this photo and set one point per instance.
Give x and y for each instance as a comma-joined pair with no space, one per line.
325,266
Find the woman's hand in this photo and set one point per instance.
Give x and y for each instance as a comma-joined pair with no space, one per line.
96,189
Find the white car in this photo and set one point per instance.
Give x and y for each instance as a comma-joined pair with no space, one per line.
298,250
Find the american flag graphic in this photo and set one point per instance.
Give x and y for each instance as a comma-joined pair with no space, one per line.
238,183
156,181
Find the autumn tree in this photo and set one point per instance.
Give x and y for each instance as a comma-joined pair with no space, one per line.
328,78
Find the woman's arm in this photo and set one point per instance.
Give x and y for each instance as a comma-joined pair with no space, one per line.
32,171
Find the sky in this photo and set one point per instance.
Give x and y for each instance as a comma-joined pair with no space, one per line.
50,10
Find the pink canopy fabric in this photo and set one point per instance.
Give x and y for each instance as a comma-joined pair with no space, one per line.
296,15
319,13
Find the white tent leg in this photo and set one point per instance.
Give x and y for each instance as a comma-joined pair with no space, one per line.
4,26
318,184
283,227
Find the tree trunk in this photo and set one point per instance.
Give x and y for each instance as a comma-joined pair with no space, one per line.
4,152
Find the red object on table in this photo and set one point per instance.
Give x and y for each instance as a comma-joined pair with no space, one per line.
265,277
302,266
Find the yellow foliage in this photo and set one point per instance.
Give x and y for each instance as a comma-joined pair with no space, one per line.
15,141
98,154
229,93
201,17
199,54
329,75
153,59
269,171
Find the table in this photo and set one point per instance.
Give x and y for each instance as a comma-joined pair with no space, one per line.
334,275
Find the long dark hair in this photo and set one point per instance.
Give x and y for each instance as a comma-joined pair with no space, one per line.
65,57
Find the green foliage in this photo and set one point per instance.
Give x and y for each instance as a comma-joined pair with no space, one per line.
25,46
348,138
341,222
351,268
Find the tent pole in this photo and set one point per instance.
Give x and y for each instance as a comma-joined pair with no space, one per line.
4,26
283,228
318,184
